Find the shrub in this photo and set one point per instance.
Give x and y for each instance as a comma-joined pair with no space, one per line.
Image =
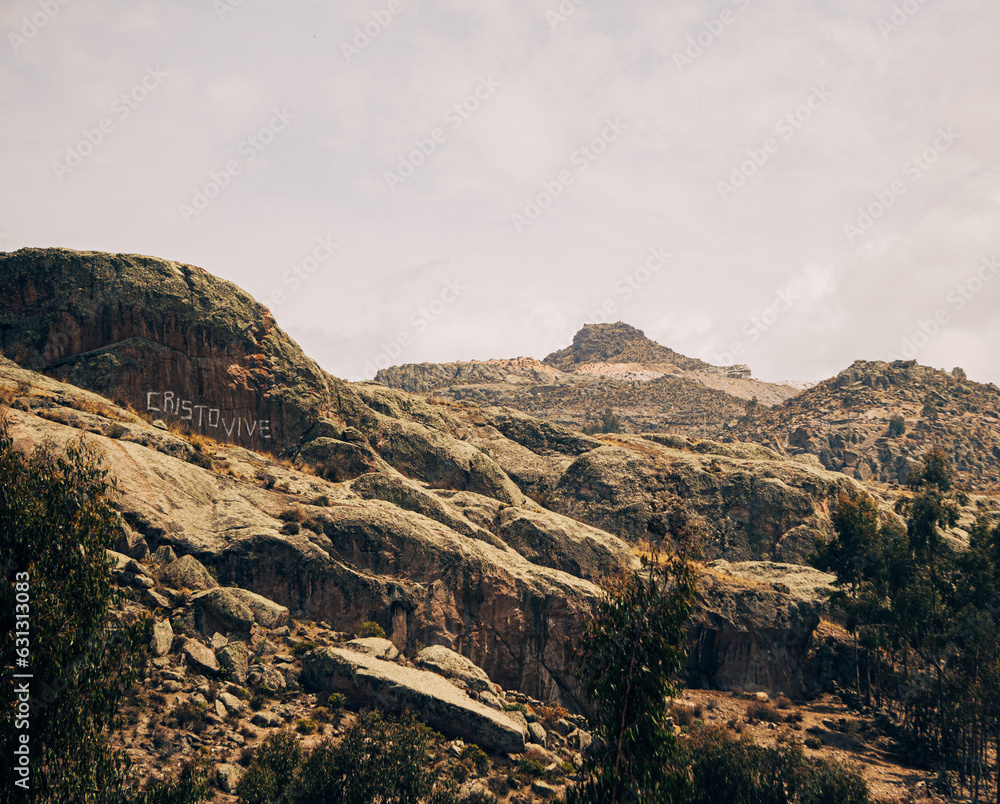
475,755
271,769
531,767
371,629
740,772
305,725
336,701
300,648
377,760
763,710
897,426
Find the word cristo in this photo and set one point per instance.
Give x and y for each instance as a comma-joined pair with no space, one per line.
204,416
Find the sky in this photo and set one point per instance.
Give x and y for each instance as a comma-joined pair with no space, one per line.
789,184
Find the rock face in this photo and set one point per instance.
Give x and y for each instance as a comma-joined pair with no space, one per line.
440,704
753,625
168,338
843,423
479,529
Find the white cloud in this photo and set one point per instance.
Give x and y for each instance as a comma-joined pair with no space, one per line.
655,186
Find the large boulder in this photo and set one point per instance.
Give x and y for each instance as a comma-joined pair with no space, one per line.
448,663
436,701
753,624
220,610
163,637
236,659
200,657
187,572
266,613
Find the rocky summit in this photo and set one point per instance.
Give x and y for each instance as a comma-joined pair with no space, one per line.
435,542
645,386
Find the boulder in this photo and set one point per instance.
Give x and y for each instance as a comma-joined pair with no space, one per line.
200,657
164,554
268,720
233,704
219,610
187,572
267,677
236,659
373,646
753,624
266,613
163,638
229,776
434,700
446,662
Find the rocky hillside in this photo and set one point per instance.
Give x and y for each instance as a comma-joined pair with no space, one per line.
844,423
480,529
649,387
163,338
478,533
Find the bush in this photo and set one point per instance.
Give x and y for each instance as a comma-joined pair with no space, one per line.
301,648
336,701
305,725
897,426
377,760
370,629
271,769
738,771
763,710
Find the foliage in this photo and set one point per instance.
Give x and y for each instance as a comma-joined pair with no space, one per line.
609,424
897,426
271,769
371,629
738,771
926,619
377,760
56,521
631,651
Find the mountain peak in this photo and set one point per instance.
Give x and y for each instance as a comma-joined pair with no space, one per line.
620,343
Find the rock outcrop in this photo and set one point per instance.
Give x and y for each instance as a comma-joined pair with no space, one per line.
843,423
440,704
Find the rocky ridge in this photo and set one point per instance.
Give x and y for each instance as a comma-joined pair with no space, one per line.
649,387
843,423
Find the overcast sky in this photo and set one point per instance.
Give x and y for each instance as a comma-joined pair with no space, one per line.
792,185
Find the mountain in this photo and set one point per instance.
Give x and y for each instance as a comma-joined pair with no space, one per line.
843,423
648,387
270,511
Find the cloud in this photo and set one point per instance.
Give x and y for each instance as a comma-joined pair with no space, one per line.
557,82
